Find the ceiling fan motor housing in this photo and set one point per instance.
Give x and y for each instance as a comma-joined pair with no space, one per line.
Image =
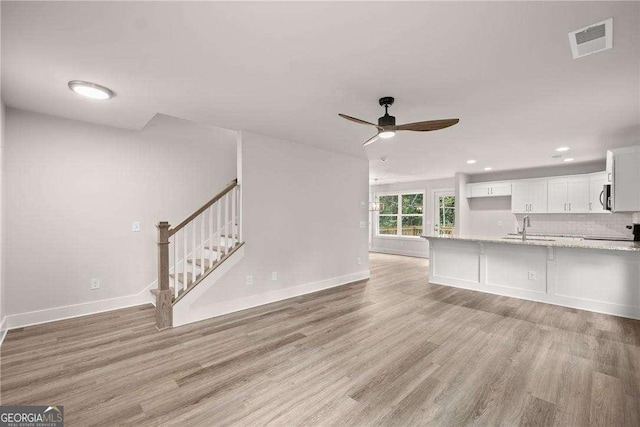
386,120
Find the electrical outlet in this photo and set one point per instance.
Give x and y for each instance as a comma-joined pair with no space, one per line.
363,204
359,260
363,224
95,283
500,223
135,226
532,275
249,280
274,275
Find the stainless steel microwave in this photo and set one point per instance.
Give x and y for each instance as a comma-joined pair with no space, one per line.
605,197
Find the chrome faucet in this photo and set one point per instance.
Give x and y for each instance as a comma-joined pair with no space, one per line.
526,222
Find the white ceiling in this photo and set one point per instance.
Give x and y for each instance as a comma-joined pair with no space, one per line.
288,69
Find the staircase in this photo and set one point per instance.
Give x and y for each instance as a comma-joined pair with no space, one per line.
189,252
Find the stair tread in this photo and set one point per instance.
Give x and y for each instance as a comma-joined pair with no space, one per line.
216,248
155,291
181,277
207,263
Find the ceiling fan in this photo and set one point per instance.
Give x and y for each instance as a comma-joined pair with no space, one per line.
387,124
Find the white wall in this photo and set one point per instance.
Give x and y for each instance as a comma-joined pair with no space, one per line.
72,191
301,217
408,245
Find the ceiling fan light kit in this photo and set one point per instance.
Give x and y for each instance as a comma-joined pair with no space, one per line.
387,124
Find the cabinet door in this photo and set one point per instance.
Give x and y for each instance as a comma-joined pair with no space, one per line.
501,189
538,196
578,194
557,196
596,189
626,182
480,190
519,197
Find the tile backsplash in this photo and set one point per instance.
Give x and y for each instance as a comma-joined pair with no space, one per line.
610,225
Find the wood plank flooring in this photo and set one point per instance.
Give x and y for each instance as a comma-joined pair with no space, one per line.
395,350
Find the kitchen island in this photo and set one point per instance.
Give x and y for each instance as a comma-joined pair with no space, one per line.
595,275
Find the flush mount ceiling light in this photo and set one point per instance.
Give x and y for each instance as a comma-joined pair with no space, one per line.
470,162
488,168
386,134
562,149
570,159
91,90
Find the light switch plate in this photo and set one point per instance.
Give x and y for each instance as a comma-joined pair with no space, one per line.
249,280
135,226
363,204
532,275
95,284
363,224
274,275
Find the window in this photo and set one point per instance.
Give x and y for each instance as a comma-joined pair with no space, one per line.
445,214
401,215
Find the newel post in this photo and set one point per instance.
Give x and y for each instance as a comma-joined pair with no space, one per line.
164,312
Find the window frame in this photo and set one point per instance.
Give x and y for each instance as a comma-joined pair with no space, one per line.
400,215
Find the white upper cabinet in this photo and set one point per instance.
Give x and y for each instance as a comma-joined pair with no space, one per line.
529,196
597,182
489,189
568,194
557,195
626,179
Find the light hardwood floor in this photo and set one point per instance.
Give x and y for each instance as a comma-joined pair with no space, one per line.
395,350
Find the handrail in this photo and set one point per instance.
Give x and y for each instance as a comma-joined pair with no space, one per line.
191,217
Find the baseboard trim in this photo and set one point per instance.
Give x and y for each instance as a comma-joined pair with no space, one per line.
416,254
37,317
189,314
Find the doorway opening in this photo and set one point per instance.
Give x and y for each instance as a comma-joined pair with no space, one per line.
444,215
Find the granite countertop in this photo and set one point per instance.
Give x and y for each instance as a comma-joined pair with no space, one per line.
630,246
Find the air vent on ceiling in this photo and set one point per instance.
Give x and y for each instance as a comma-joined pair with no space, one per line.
591,39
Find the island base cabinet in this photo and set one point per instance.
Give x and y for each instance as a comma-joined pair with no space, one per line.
600,280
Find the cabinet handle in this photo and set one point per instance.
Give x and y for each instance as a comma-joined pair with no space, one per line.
491,190
488,191
565,207
609,177
569,207
590,208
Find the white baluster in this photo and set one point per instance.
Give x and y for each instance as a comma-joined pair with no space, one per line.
174,242
211,234
219,229
202,223
184,259
233,218
193,251
239,219
226,223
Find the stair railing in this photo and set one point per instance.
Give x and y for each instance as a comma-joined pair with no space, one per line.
198,243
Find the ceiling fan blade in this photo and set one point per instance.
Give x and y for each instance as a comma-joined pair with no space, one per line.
428,126
353,119
371,140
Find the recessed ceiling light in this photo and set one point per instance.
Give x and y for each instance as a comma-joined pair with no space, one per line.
383,159
570,159
562,149
91,90
386,134
470,162
488,168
